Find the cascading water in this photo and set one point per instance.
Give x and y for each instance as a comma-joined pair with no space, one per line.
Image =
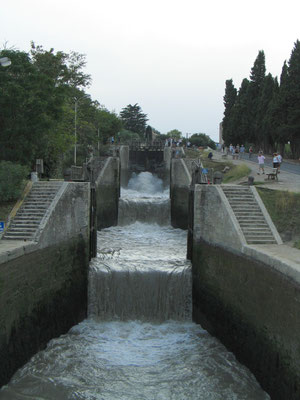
139,341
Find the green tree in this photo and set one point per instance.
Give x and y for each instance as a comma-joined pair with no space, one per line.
279,111
30,104
134,119
174,134
257,78
37,104
229,101
292,93
238,122
265,138
201,139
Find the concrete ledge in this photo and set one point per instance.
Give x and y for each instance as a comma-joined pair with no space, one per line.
282,258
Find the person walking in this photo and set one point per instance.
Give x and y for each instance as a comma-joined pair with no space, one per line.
279,157
275,160
250,151
261,163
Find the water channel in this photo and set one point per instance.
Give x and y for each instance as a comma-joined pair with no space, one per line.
138,341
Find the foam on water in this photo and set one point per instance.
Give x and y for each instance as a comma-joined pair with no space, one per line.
131,347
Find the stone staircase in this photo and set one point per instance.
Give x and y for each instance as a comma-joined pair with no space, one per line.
25,225
249,215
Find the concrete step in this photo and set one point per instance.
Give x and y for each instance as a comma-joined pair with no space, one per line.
17,236
22,230
263,235
27,221
256,230
261,241
249,213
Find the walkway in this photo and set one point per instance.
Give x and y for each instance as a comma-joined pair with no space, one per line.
288,179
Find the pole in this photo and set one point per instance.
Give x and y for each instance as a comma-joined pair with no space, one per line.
98,142
75,132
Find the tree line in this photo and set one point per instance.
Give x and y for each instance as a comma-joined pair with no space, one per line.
40,92
265,113
45,111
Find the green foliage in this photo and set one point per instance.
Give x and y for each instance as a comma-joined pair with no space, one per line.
38,93
134,119
236,173
126,137
12,178
201,139
284,209
174,133
264,112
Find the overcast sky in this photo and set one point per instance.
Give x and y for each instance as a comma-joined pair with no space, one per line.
171,57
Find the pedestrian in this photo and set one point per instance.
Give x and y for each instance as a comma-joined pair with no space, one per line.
261,163
250,151
279,161
210,155
275,161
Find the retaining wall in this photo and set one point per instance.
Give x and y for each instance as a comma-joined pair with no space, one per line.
108,193
43,286
248,296
179,192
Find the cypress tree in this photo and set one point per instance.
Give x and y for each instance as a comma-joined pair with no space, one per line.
293,96
229,101
257,76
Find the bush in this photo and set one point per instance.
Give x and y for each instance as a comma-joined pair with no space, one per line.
12,178
126,137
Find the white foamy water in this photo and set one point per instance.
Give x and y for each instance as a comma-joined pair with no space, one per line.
139,341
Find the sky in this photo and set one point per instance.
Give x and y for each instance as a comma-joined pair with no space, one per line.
171,57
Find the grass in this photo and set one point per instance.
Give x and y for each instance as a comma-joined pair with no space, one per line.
284,209
234,173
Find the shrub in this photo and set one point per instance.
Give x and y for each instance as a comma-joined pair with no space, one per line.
12,178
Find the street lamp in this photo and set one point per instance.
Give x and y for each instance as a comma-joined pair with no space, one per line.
5,62
75,131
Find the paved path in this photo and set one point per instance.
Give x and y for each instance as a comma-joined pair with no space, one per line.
288,179
287,165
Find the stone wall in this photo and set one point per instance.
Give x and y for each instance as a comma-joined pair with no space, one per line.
247,296
42,295
254,310
108,193
179,192
43,286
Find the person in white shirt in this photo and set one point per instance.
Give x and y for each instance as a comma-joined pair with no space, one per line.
261,163
275,161
279,161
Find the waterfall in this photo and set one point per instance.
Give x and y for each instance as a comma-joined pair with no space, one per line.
139,341
140,271
144,200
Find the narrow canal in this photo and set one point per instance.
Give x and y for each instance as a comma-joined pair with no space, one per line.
138,341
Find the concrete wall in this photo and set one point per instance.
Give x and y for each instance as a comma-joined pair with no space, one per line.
248,296
179,192
107,193
43,286
124,157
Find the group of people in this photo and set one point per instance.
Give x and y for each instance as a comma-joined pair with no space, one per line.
277,160
234,150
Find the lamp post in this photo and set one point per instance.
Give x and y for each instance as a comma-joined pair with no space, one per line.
5,62
75,131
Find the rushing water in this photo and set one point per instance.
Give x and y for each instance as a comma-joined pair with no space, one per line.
138,342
